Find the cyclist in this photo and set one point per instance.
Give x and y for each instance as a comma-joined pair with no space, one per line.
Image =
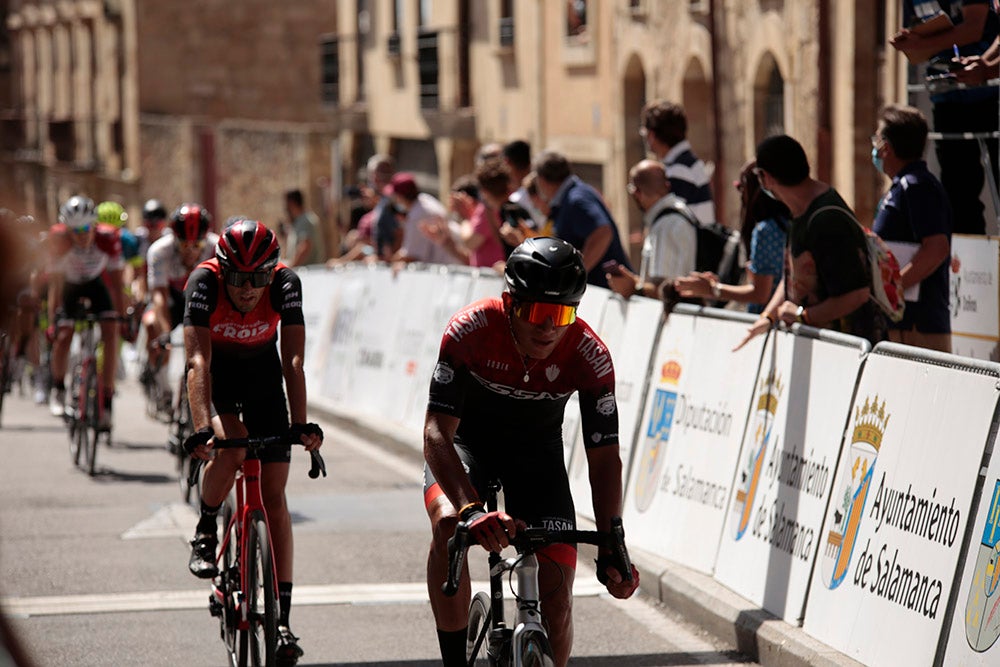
170,260
154,223
81,252
233,305
506,368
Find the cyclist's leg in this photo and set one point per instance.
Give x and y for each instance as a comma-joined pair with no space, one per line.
538,492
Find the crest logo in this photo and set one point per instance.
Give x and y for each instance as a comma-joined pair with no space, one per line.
443,373
606,405
982,620
870,422
769,393
552,372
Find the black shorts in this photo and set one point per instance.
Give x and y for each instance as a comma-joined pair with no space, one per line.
253,390
535,490
100,301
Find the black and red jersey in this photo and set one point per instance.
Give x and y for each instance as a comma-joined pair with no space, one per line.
207,304
480,378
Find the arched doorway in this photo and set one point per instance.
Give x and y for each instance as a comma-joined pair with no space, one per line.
768,100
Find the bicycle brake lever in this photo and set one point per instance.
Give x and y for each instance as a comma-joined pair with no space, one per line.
318,465
621,553
458,546
193,473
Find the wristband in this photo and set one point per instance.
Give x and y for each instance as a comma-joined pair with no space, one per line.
716,289
638,288
798,314
769,317
467,509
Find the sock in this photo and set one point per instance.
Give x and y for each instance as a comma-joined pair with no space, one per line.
59,385
453,647
284,601
207,523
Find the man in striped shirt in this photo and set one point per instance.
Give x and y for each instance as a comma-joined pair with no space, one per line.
664,130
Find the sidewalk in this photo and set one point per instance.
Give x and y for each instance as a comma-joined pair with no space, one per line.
765,638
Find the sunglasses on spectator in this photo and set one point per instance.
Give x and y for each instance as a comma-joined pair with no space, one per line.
256,278
537,312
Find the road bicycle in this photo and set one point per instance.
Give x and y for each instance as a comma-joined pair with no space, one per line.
490,641
181,427
83,415
245,593
155,387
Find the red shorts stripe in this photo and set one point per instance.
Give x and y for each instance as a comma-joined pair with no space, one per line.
432,494
564,554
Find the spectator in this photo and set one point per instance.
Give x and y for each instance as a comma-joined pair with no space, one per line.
517,155
914,212
387,232
975,27
419,207
579,216
827,282
488,151
305,239
977,70
664,129
670,243
763,232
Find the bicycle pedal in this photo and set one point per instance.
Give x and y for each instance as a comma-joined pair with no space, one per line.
215,606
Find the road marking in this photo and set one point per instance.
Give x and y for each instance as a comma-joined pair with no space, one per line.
171,520
305,595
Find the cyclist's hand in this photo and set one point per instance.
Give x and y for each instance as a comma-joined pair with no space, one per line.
162,341
311,435
50,333
198,444
491,530
608,574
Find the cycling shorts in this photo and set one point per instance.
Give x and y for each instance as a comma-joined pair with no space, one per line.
535,491
100,301
253,390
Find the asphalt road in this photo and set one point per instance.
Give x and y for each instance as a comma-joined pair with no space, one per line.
93,570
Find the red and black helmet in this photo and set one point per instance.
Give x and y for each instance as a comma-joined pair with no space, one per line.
190,222
247,245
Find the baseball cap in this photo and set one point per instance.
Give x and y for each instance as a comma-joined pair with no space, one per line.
402,184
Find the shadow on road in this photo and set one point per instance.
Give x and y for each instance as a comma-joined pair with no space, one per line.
645,660
108,475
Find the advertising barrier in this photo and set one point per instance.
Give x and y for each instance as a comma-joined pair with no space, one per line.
894,527
975,291
692,427
801,399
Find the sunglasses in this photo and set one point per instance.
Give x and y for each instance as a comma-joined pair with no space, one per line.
256,278
82,230
192,245
537,313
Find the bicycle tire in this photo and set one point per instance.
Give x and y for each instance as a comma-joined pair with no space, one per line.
477,639
90,418
229,581
262,613
5,379
182,429
71,422
536,650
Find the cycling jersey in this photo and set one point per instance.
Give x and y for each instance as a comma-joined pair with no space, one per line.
165,267
81,265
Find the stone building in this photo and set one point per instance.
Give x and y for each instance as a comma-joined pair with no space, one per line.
231,103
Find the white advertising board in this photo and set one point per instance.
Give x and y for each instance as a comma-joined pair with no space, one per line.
693,422
629,329
975,625
890,544
974,279
317,286
336,353
785,474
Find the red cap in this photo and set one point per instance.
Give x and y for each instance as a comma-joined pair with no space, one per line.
402,184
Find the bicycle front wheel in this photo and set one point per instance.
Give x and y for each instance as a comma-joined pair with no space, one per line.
477,639
261,637
536,651
89,417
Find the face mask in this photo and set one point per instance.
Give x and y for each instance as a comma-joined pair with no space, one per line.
769,193
876,160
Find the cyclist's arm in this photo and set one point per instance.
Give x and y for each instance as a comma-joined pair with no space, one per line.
605,467
198,347
443,461
293,344
117,290
161,309
56,284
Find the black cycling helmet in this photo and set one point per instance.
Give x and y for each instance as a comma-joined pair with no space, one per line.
247,245
546,269
153,210
190,222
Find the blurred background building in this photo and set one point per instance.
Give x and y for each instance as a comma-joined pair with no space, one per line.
232,102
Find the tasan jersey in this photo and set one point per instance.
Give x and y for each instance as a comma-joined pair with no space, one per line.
81,265
165,268
479,378
207,304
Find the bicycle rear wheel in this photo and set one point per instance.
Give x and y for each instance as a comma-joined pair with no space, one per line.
89,417
476,642
259,641
536,651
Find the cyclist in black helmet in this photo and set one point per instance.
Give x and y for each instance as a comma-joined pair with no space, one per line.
506,369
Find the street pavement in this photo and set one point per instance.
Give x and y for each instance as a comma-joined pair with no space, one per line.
93,570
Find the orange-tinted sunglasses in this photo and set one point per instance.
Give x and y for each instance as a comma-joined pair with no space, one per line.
536,312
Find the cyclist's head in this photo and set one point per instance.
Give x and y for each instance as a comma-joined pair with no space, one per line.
153,212
78,213
546,270
111,213
190,222
247,246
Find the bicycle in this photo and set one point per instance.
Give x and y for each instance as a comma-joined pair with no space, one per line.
489,640
83,415
181,426
245,593
158,398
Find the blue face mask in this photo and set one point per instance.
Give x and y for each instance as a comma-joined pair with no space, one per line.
876,160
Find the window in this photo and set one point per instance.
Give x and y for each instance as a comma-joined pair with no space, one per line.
427,63
506,27
393,43
363,29
330,70
576,20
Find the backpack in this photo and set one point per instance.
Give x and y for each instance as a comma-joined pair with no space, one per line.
718,248
887,283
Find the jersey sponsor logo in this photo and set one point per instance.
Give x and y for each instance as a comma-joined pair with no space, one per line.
198,306
515,392
497,365
552,372
555,523
443,373
595,354
606,405
465,323
240,331
291,304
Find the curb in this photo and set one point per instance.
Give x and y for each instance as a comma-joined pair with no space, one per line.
754,632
